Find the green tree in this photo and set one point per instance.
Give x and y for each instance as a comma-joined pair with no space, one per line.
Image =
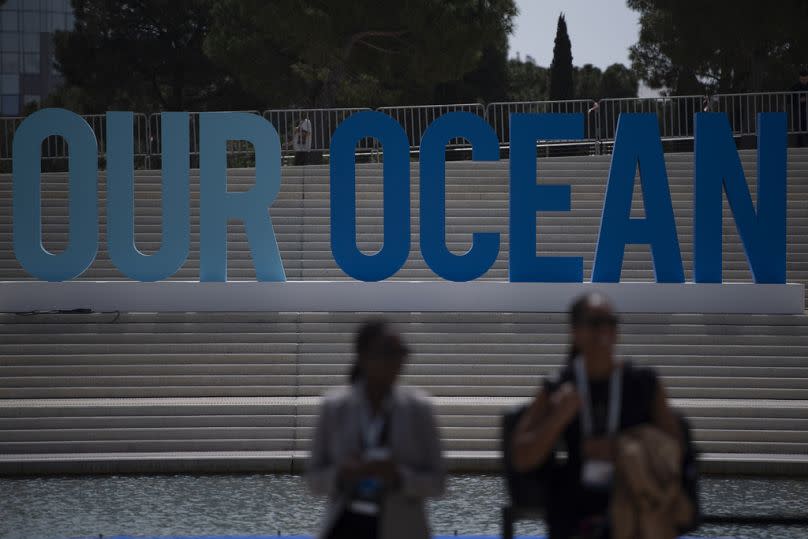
587,79
687,47
142,55
561,85
526,80
324,53
485,83
618,81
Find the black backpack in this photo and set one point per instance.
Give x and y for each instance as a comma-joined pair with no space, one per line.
527,490
690,474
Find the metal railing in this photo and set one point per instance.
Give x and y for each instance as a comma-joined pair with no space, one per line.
55,147
323,124
414,120
235,148
742,109
499,115
675,115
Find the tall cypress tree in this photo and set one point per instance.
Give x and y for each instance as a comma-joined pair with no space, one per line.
561,86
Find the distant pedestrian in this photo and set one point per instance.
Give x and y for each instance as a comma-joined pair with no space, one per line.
376,451
301,141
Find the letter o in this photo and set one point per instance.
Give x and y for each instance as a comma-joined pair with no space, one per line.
396,247
82,195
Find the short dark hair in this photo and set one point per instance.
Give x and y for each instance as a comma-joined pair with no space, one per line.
803,72
578,311
370,333
580,307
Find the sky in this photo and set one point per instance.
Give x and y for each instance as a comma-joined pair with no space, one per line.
601,31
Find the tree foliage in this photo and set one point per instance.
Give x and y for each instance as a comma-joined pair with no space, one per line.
586,82
351,53
526,80
561,85
744,45
618,81
530,82
486,83
614,82
143,54
151,55
228,54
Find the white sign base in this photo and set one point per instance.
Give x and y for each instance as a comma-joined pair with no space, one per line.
331,296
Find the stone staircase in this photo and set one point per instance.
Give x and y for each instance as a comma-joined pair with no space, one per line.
116,392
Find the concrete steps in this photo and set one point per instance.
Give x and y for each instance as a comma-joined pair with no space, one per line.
81,385
118,392
274,433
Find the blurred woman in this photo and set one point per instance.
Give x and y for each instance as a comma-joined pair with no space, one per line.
593,399
376,451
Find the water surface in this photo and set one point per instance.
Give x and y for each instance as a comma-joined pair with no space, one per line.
261,504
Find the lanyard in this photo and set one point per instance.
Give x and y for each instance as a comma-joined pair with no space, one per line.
615,396
373,425
372,429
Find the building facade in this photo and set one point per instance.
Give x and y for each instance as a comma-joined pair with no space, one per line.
27,70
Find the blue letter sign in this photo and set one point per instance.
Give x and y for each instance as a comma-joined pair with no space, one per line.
637,149
484,245
82,195
121,198
718,169
218,205
396,180
527,198
637,146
